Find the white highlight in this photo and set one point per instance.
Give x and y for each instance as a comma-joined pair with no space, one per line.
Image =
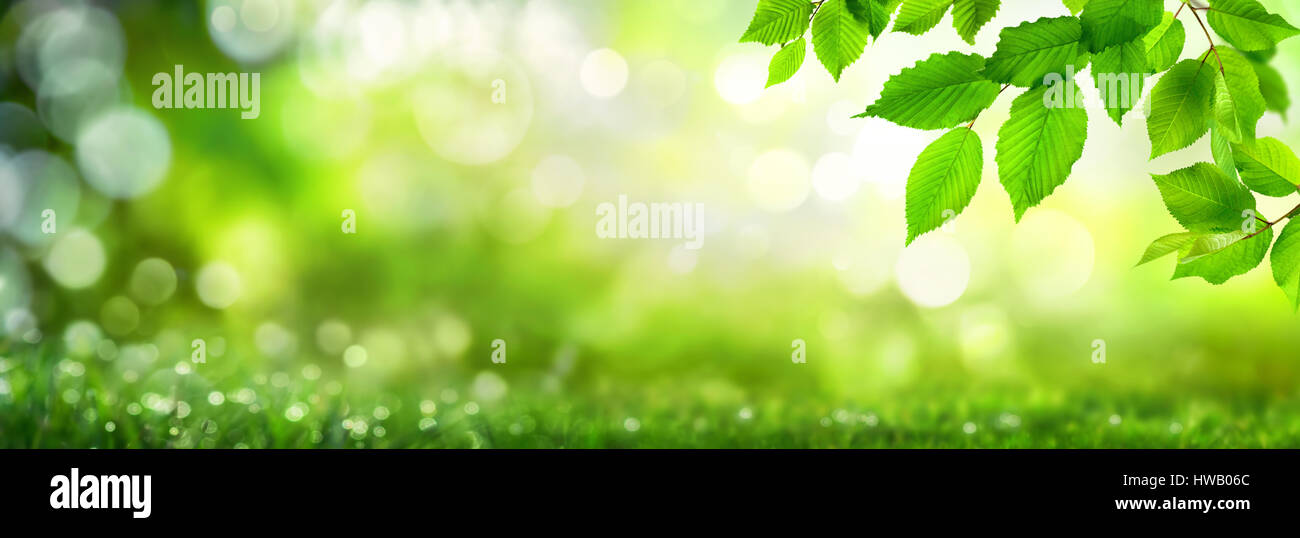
934,271
603,73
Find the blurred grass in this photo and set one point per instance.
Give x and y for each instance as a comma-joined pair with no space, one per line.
694,360
34,413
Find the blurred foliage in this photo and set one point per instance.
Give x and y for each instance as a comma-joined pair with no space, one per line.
611,343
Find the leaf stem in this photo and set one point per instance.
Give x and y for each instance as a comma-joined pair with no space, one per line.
816,7
977,116
1213,48
1272,223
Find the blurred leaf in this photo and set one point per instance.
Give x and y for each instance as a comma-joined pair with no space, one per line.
1273,87
1260,56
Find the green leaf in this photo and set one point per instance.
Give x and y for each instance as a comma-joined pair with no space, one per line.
1119,73
1207,244
786,62
968,16
1180,107
1037,147
1247,25
942,91
872,13
1237,258
1204,199
919,16
1107,23
944,179
1164,44
1262,56
1026,53
778,21
1238,103
1268,167
1075,6
1166,245
838,38
1286,262
1221,148
1273,87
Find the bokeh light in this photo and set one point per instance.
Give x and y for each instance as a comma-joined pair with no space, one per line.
604,73
153,281
187,278
934,271
50,193
124,153
76,260
260,30
218,285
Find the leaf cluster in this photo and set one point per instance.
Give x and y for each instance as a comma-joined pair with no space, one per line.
1222,93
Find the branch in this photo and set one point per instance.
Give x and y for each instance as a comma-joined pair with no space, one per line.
977,116
817,6
1213,48
1271,223
1188,3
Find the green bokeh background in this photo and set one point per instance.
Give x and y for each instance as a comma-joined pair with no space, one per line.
621,343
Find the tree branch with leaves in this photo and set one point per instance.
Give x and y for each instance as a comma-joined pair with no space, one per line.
1123,42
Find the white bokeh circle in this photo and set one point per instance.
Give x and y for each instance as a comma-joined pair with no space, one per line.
76,260
218,285
124,153
603,73
934,271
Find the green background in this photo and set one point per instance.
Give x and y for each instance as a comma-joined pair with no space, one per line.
620,343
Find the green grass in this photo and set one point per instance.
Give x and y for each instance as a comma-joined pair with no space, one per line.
51,402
